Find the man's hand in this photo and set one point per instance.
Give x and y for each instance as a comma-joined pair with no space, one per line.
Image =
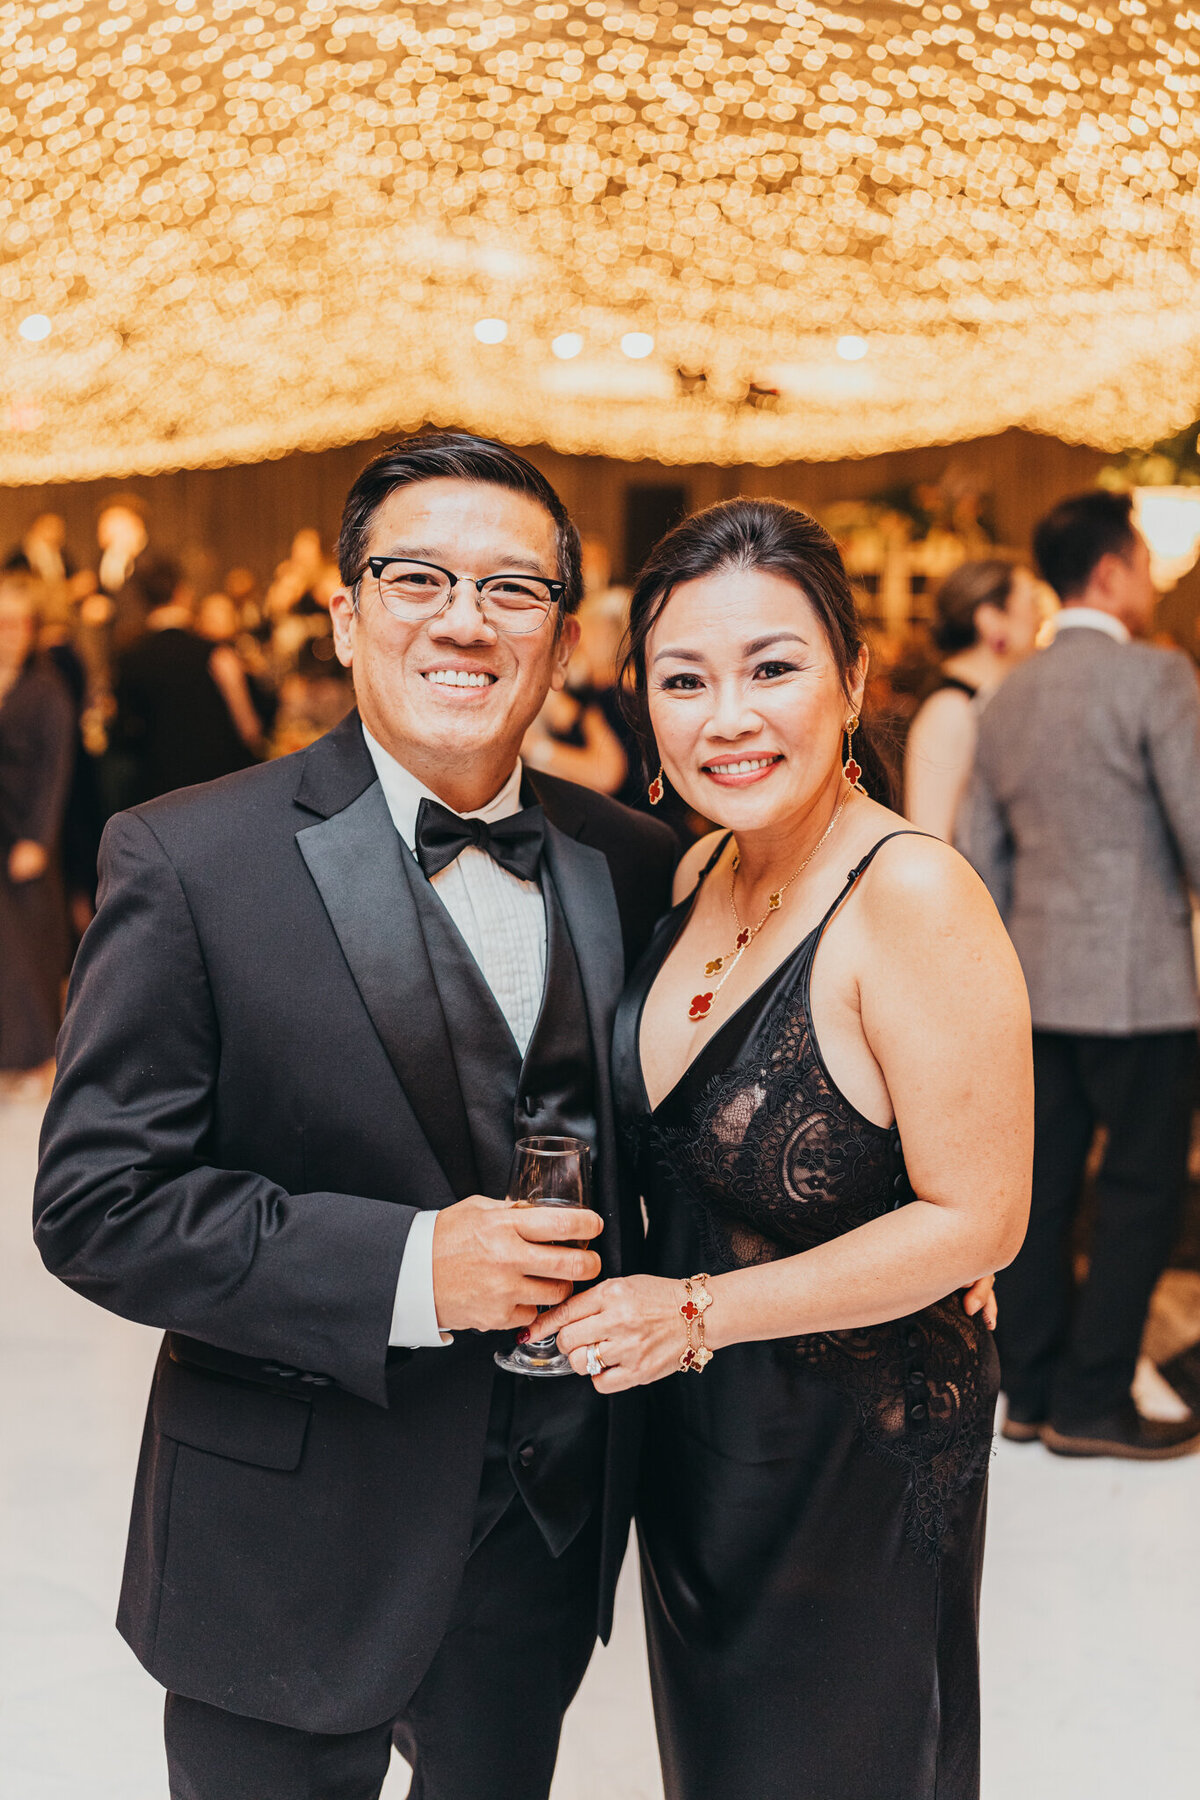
495,1264
981,1297
26,861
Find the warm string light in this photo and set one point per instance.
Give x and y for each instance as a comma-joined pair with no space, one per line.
752,232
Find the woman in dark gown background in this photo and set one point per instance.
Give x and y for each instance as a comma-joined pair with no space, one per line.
37,748
812,1513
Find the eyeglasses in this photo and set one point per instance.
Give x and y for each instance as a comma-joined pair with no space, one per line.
415,591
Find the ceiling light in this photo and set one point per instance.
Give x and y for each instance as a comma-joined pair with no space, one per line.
851,348
491,331
637,343
35,328
567,344
1000,199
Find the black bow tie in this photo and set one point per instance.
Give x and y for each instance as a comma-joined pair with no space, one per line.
515,843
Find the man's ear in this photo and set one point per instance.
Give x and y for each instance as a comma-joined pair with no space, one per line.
343,614
564,648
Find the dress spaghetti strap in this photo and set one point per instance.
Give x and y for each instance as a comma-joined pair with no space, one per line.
860,869
714,859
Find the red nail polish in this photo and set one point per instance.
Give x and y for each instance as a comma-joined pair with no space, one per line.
523,1336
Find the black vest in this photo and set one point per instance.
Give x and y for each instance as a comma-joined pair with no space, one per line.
547,1438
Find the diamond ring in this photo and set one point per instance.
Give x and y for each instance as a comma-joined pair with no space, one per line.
595,1366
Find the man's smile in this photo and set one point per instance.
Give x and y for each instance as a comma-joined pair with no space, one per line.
471,680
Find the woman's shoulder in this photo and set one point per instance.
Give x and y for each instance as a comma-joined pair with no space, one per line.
945,710
914,869
927,926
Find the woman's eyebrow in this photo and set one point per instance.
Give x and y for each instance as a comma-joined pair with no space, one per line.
679,654
775,637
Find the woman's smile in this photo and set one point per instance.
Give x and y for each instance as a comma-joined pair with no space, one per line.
741,771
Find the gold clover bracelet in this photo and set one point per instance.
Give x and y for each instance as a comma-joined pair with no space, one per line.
695,1303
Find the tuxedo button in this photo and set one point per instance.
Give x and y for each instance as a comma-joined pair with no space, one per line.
916,1378
525,1455
919,1410
899,1183
913,1340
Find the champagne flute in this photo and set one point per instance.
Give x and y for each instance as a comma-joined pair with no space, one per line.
546,1171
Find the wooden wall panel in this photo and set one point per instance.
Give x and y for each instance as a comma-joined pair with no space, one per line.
248,514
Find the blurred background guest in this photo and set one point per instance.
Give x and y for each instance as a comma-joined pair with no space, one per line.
218,619
42,550
83,818
986,619
1083,817
123,541
580,734
37,736
184,708
314,696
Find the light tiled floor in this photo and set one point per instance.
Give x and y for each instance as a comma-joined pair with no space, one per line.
1092,1593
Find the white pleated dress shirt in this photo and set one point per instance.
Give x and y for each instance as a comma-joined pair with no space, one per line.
502,921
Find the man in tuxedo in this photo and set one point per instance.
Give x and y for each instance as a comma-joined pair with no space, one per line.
320,1001
1083,817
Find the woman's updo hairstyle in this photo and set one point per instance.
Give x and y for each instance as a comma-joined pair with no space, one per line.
752,534
985,582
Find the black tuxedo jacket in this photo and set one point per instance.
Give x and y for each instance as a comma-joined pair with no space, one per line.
255,1094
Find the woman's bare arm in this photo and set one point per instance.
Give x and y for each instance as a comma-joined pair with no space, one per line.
937,762
226,669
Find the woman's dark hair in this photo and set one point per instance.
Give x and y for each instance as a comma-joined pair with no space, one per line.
1070,541
752,534
454,456
986,582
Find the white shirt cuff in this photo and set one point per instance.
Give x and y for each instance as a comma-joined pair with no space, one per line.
414,1315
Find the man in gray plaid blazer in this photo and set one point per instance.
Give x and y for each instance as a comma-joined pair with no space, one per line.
1083,818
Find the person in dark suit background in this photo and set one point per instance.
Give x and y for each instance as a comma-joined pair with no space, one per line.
319,1002
184,709
1083,817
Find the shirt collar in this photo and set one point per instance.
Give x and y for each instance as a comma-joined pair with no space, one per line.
1090,618
404,793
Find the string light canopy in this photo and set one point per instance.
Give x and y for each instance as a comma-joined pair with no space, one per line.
232,228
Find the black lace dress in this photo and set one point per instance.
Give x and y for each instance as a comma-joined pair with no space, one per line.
812,1515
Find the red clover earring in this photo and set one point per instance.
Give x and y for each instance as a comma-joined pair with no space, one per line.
850,768
656,789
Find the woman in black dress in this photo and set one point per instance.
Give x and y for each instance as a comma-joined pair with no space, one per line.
987,615
824,1066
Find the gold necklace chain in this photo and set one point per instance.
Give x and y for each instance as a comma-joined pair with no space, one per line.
725,964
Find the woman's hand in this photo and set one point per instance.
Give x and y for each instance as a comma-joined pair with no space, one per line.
635,1324
981,1297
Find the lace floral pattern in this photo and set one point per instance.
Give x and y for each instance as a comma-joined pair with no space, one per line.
774,1161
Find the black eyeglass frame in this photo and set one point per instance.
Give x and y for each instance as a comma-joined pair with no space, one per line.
377,564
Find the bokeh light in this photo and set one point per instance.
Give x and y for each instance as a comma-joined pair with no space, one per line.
259,227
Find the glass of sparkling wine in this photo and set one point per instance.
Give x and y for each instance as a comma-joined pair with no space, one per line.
547,1171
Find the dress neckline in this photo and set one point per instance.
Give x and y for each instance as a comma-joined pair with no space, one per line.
684,911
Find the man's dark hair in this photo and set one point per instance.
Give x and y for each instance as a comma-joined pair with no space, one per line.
453,456
1070,541
160,580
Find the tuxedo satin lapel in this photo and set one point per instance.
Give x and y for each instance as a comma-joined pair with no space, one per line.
354,859
580,874
335,770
